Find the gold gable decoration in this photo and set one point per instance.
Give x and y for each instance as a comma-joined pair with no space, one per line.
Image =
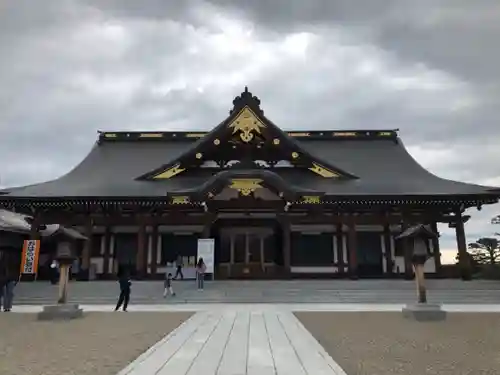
248,124
246,186
322,171
173,171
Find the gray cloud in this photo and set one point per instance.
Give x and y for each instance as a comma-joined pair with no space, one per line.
69,68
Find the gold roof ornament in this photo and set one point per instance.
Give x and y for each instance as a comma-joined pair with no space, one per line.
248,124
322,171
171,172
246,186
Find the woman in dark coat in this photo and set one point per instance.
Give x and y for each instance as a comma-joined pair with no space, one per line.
125,284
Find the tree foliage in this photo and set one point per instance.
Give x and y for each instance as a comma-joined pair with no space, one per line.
496,220
485,250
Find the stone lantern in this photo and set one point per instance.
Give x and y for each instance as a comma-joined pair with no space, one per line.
65,256
418,237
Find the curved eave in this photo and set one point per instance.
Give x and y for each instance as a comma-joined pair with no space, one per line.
269,178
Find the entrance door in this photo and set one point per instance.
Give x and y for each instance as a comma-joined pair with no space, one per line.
250,253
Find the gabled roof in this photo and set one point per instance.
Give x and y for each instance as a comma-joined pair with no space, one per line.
246,122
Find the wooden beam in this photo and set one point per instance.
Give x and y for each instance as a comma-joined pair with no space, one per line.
87,249
141,252
154,249
437,251
352,247
463,256
388,246
339,237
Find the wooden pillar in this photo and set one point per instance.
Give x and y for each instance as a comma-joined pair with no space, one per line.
286,244
352,248
87,250
207,226
435,247
140,261
154,250
463,256
107,252
340,248
35,227
388,248
407,251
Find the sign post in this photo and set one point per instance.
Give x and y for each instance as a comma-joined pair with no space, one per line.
206,250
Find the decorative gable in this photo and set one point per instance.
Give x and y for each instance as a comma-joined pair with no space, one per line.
246,139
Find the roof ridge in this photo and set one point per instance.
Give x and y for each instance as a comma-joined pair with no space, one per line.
295,134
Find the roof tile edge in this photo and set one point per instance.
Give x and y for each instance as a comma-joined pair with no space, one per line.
391,134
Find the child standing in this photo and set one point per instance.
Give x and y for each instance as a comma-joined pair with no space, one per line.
168,286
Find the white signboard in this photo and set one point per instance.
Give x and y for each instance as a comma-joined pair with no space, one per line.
206,249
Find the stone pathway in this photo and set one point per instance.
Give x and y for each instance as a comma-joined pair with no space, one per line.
237,343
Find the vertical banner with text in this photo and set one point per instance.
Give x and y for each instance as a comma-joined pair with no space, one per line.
29,260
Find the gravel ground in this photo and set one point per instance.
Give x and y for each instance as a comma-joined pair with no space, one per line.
98,344
386,343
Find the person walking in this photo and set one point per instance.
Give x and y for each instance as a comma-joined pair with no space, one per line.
7,284
200,273
178,268
168,286
125,286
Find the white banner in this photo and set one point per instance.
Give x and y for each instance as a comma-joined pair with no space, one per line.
206,250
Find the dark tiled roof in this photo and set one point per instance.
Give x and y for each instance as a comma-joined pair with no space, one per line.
384,168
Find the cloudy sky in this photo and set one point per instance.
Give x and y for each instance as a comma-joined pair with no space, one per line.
427,67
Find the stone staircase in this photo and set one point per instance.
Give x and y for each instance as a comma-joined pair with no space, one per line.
280,291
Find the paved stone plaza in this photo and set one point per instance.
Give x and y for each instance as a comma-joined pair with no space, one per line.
249,327
295,291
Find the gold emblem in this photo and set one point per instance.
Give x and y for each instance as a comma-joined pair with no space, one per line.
295,155
276,141
199,155
180,200
246,186
311,199
216,141
248,124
